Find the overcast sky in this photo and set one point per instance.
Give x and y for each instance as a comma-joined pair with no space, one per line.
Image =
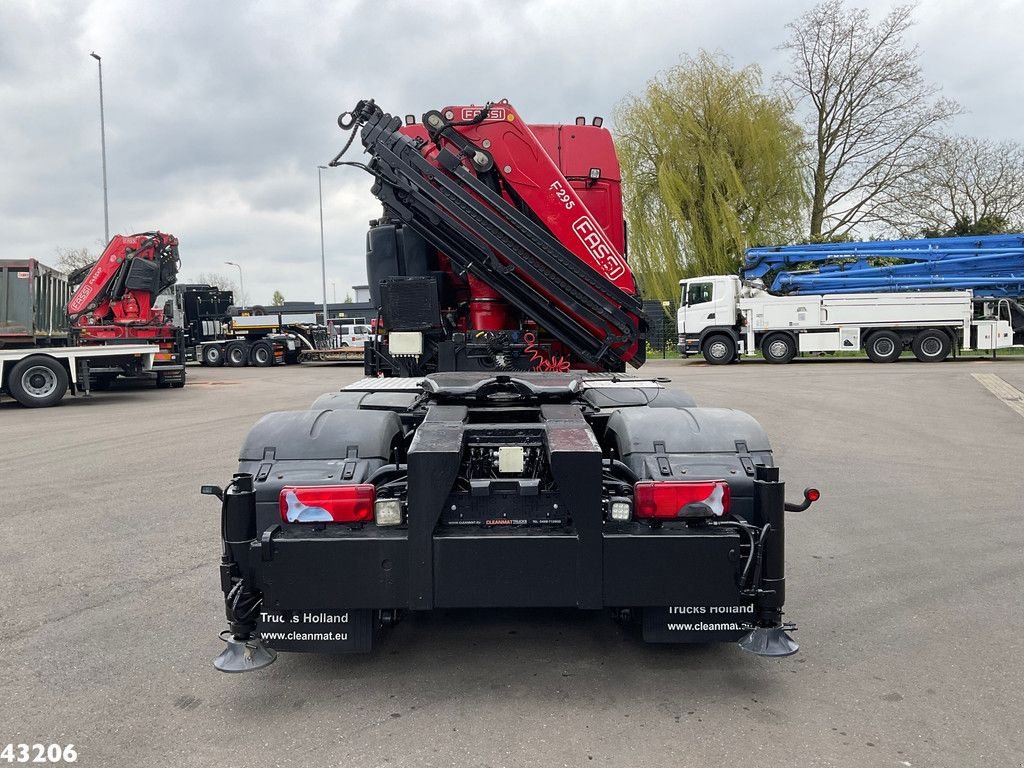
218,113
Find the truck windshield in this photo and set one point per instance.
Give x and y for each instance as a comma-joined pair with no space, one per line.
697,293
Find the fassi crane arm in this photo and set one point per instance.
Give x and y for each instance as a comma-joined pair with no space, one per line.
121,285
482,190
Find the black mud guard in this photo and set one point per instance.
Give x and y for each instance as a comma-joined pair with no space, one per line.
692,444
331,401
376,401
325,434
619,397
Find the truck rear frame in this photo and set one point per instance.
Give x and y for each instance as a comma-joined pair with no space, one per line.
477,529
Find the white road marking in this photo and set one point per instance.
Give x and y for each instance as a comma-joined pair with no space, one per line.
1006,392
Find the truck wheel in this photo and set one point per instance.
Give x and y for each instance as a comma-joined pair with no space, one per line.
212,355
931,346
719,349
778,348
38,382
884,347
236,354
262,354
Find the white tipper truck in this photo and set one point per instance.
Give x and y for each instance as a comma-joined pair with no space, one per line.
723,318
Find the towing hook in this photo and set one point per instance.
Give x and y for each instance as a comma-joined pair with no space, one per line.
360,113
811,495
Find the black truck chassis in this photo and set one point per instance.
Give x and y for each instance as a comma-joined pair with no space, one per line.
471,536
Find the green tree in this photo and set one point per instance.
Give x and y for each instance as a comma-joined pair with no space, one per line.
277,299
710,163
985,225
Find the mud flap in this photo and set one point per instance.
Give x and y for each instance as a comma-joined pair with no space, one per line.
316,631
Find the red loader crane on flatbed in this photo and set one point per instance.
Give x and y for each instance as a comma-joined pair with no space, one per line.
496,455
113,304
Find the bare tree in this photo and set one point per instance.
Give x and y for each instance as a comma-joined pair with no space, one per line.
222,282
971,186
72,259
872,118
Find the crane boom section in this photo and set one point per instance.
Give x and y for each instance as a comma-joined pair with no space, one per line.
511,230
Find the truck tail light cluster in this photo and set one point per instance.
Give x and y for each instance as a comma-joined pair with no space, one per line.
338,504
166,351
673,498
327,503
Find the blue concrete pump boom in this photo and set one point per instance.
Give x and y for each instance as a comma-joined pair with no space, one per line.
991,266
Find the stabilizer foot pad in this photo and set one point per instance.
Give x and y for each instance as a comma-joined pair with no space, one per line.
769,641
244,656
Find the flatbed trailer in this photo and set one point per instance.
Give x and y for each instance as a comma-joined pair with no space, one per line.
39,377
335,355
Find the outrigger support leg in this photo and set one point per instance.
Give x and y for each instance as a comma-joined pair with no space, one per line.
769,636
244,651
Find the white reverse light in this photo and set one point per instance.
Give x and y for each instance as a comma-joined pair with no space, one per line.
387,512
621,510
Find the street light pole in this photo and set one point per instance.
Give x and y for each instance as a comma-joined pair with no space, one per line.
323,257
103,148
241,285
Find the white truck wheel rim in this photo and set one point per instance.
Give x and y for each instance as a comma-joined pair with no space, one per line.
39,381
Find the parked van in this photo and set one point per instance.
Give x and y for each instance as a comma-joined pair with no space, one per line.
353,335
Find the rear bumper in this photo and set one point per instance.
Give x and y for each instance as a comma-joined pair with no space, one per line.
376,569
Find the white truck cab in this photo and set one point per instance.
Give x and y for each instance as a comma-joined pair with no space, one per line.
708,317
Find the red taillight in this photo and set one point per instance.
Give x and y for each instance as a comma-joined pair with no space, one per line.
327,503
812,494
668,499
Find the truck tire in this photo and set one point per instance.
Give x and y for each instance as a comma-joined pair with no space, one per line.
262,354
931,346
884,347
236,354
778,348
719,349
212,355
38,382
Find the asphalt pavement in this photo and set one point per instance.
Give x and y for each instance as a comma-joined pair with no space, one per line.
905,581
